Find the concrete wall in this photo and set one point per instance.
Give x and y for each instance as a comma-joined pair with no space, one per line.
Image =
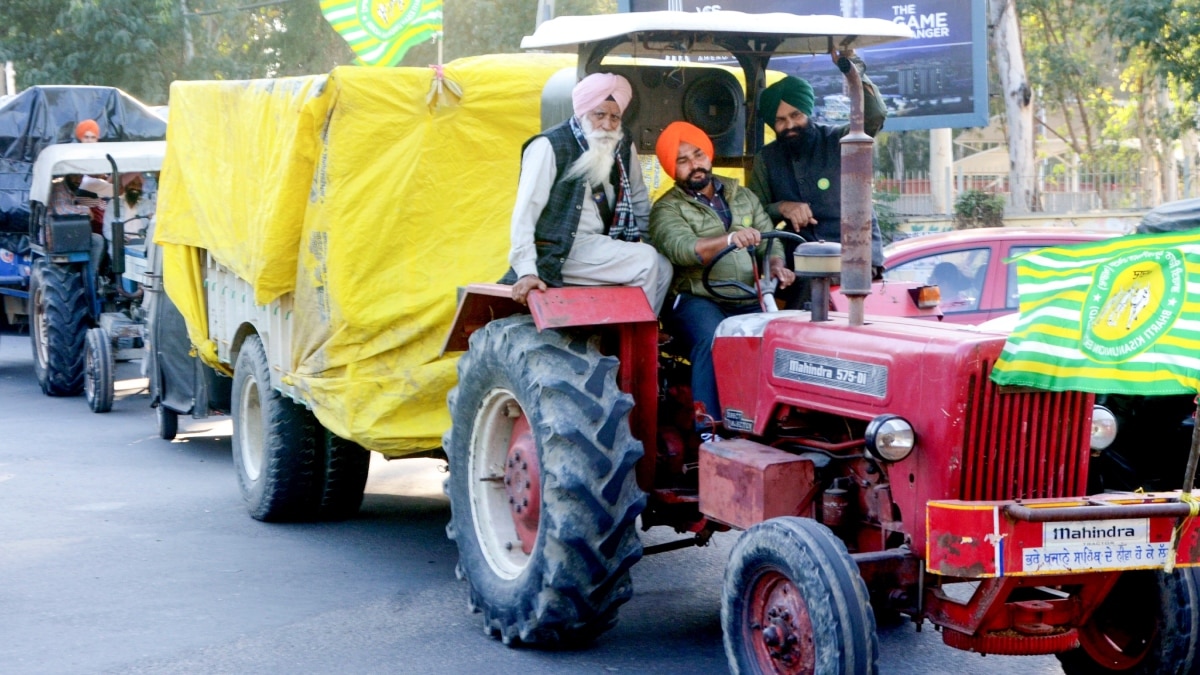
1115,221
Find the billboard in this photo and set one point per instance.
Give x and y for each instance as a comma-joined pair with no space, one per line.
936,80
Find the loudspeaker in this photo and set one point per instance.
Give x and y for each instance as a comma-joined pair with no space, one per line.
710,97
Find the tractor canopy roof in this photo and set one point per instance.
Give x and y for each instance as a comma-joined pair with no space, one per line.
93,158
42,116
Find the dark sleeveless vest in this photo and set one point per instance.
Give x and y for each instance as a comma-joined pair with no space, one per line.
800,181
555,230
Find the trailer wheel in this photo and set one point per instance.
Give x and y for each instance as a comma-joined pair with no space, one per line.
273,443
1149,623
98,371
345,466
794,602
542,487
59,309
168,422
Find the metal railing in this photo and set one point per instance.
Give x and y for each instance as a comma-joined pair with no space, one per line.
1109,189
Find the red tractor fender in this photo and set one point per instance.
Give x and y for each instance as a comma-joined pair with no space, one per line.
553,308
623,308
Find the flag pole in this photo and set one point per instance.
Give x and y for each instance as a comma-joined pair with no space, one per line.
1189,475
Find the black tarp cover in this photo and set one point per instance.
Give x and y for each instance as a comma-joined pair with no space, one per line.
45,115
1171,217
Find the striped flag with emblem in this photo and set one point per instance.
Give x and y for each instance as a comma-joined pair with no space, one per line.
380,32
1120,316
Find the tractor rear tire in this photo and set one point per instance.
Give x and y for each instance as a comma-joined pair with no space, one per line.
344,469
547,556
98,371
274,449
1149,623
168,422
795,602
58,322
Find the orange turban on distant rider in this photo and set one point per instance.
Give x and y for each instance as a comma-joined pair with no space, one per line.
667,147
86,126
598,88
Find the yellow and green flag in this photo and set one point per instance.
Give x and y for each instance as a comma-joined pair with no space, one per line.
1120,316
381,31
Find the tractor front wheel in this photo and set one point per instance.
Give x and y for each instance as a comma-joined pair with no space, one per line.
98,371
542,487
795,603
1149,623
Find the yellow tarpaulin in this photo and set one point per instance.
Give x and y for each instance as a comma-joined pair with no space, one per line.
367,203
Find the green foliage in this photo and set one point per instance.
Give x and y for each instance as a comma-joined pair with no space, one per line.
885,214
121,43
141,46
1071,65
494,26
907,149
1165,33
976,208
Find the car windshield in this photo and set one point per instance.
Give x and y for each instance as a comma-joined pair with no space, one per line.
958,274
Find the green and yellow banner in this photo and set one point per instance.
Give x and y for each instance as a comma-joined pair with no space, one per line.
1120,316
381,31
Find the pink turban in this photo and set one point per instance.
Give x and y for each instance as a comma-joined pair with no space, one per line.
667,147
596,89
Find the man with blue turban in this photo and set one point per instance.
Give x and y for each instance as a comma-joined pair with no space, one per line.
798,176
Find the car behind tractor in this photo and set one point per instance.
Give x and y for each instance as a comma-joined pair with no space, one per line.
869,462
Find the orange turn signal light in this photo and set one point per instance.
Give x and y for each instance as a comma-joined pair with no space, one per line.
928,297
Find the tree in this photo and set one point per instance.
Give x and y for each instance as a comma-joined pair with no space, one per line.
1018,100
1072,66
1166,33
120,43
141,46
494,26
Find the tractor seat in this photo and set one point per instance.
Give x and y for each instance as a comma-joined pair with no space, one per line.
754,325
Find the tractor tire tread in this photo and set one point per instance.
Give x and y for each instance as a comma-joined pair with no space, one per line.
590,499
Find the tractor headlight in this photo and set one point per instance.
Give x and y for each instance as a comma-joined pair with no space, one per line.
1104,427
890,438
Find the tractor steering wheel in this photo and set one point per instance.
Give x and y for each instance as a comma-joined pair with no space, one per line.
747,292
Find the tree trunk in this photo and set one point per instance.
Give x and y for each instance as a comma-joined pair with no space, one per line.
1018,105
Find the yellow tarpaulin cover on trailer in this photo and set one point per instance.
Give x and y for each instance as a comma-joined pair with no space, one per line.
367,203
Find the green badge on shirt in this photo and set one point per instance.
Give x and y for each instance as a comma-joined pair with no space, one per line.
747,221
823,183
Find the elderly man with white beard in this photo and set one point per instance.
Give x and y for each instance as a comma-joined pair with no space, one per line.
582,208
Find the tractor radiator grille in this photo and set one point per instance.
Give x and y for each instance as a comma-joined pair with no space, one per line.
1024,445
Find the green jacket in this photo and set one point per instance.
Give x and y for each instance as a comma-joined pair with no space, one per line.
677,221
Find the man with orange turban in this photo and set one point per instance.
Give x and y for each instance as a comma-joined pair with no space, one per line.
582,207
798,176
87,131
690,224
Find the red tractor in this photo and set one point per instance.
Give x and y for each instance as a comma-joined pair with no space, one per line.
872,464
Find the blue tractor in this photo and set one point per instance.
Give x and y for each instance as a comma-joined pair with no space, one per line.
48,281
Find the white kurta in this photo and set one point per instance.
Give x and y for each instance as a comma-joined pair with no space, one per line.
595,259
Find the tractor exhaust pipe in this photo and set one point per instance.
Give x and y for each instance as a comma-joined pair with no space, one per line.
857,174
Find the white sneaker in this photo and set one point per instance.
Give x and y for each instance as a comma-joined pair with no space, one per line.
706,437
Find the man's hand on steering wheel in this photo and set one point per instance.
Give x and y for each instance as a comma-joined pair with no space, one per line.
745,238
743,291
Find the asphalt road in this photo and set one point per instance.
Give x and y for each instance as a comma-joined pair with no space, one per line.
123,553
